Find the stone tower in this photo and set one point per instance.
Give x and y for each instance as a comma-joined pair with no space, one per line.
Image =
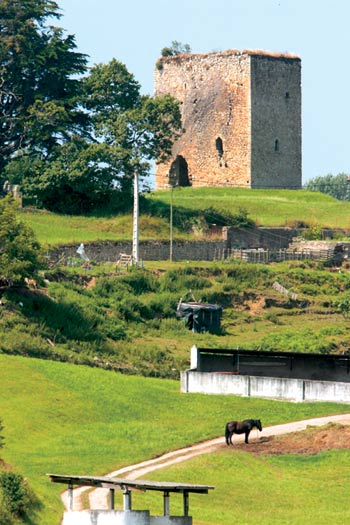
241,111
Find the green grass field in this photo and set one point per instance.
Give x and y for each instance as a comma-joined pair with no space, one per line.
265,207
67,419
269,490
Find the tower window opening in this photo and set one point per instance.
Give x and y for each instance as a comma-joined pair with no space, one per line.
219,148
277,145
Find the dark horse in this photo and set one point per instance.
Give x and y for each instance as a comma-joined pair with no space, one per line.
241,427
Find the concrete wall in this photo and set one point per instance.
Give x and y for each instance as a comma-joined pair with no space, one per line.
264,387
107,517
121,517
171,520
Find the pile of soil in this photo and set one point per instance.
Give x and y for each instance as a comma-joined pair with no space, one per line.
310,441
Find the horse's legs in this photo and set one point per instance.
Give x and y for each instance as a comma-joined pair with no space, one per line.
246,436
231,434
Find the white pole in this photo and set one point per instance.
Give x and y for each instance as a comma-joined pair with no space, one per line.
171,222
135,233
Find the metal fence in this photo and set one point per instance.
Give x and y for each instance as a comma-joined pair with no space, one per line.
263,256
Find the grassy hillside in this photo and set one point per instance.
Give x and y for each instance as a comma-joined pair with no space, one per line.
127,321
68,419
269,490
264,207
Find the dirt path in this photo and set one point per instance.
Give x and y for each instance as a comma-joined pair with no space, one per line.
98,498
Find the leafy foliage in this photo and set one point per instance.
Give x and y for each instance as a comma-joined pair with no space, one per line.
135,128
20,253
344,306
176,48
15,492
337,186
123,133
39,89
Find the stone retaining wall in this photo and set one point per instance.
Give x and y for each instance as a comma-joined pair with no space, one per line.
204,250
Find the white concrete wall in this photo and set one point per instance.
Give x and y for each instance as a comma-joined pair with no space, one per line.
171,520
107,517
266,387
121,517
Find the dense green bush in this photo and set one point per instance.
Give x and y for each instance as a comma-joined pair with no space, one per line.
140,281
16,495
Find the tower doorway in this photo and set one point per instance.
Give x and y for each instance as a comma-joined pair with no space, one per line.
178,175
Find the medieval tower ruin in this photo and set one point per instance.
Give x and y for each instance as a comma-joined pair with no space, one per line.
241,111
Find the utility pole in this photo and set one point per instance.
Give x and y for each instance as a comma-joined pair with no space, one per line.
135,231
171,222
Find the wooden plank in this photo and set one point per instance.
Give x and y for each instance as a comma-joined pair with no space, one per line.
93,481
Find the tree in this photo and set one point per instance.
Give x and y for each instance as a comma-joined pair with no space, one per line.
337,186
39,88
20,252
72,142
126,132
135,129
176,48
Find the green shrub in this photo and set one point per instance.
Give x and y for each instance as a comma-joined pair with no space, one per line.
16,494
162,304
140,281
6,518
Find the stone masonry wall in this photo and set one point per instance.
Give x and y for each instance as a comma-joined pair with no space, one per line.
214,91
268,238
276,122
109,251
235,106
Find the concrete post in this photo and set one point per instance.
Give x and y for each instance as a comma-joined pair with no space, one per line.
186,503
111,499
70,496
195,358
127,499
166,504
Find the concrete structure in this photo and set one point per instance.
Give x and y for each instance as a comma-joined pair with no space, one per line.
274,375
241,111
233,238
127,516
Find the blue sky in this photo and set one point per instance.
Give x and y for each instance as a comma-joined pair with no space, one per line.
135,31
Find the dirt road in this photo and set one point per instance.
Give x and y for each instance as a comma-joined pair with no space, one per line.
98,497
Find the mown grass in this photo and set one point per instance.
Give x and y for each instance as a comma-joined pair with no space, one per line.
264,207
66,419
53,229
270,490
